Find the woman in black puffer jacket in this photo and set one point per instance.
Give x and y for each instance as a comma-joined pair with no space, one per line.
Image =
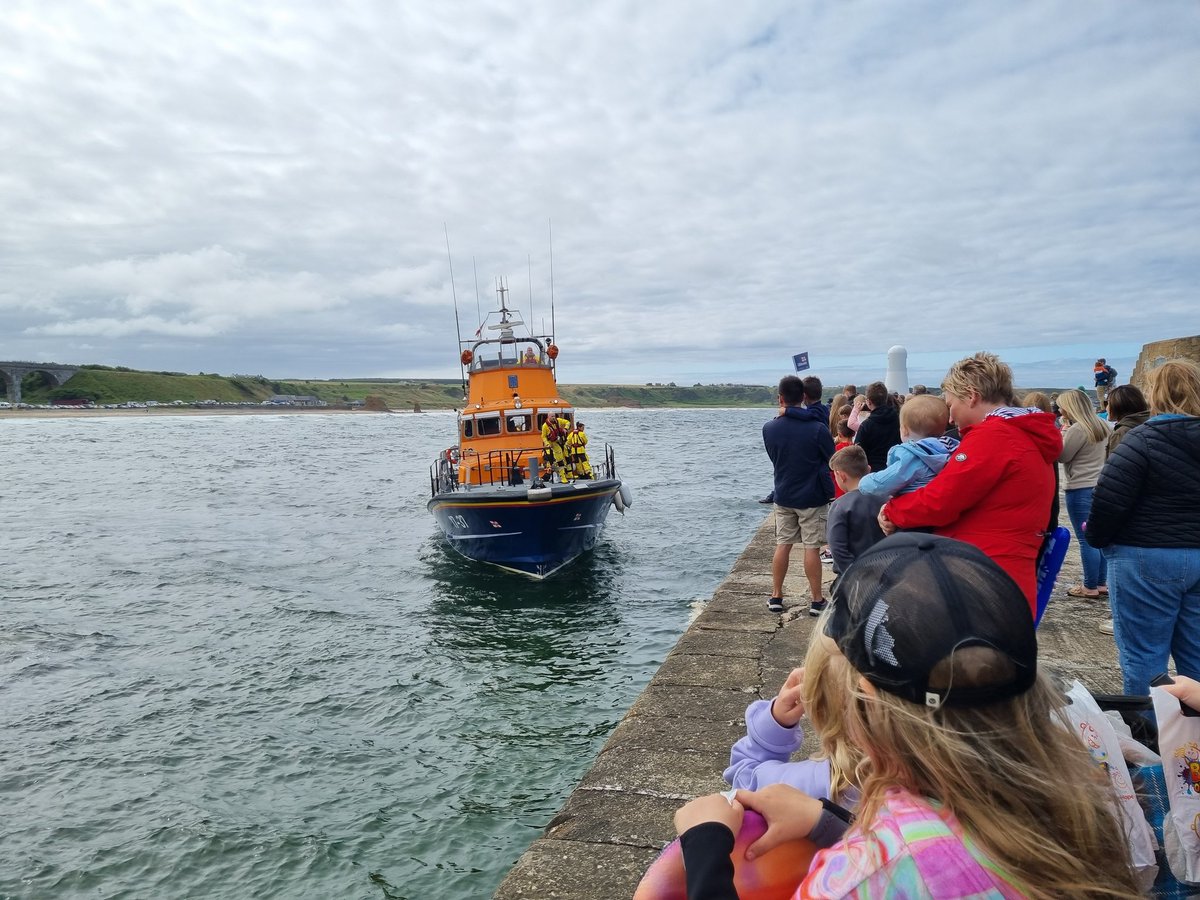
1146,518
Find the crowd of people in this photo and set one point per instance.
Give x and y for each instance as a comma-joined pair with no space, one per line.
947,768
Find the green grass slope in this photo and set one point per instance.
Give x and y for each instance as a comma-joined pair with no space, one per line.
109,385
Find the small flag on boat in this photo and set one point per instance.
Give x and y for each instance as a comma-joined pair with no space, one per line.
800,361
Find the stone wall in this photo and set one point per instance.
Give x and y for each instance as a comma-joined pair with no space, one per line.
1176,348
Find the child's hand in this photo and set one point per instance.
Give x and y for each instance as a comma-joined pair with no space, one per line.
790,813
713,808
788,706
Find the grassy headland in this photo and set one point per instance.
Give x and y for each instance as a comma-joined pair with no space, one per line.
105,385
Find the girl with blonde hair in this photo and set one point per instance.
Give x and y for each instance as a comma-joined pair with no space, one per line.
1145,518
837,409
973,784
1085,447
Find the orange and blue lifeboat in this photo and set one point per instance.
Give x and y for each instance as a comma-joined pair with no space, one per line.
497,494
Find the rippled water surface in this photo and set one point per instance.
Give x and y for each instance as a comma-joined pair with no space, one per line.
237,660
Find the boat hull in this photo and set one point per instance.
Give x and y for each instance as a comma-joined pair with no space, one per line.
503,526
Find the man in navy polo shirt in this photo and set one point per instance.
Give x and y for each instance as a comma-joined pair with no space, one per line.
799,445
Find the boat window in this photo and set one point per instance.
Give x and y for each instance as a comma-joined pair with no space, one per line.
488,425
468,428
518,422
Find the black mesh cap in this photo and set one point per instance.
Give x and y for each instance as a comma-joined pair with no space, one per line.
935,621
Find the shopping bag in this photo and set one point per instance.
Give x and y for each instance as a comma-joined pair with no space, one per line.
1049,561
1095,729
1179,744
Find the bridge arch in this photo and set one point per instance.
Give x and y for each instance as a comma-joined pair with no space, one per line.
13,372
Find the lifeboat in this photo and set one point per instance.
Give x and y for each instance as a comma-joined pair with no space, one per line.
514,490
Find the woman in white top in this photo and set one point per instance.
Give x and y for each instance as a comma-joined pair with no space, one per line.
1085,444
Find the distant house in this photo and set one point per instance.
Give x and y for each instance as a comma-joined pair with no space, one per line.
294,400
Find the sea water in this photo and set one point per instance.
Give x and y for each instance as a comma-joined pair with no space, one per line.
237,659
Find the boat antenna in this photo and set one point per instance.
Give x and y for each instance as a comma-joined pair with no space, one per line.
550,226
529,265
462,372
478,313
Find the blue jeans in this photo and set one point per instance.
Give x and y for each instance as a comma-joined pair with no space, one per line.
1079,507
1155,597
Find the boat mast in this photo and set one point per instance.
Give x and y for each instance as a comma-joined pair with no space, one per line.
478,313
529,268
462,371
550,227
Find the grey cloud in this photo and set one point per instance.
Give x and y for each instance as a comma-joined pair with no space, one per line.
724,182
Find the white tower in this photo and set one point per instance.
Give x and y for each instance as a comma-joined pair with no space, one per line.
897,371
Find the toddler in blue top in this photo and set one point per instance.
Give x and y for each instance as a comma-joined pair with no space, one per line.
922,453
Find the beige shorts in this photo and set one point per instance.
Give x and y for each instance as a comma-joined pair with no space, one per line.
801,526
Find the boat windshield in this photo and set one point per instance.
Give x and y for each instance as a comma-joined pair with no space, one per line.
496,355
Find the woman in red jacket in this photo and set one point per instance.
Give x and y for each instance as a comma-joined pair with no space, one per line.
997,489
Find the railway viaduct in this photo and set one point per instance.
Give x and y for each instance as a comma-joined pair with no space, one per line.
13,372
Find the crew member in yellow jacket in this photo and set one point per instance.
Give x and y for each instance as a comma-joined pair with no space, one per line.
555,432
577,458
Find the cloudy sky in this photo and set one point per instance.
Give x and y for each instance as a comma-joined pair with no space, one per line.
268,188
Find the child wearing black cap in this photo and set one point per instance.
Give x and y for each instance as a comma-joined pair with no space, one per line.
973,784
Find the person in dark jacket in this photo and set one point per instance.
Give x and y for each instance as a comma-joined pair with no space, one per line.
1127,409
881,430
1145,516
799,445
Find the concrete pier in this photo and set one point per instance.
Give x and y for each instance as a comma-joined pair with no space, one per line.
674,742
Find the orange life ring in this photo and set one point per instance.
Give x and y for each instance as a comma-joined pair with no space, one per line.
552,351
466,357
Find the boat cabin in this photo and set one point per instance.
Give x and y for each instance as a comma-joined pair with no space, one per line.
511,392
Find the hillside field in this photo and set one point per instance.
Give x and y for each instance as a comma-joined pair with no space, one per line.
118,385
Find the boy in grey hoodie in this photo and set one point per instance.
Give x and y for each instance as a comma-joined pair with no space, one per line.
853,521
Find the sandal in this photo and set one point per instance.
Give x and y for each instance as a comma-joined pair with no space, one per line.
1080,591
1103,589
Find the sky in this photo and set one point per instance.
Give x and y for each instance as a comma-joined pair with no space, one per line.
704,188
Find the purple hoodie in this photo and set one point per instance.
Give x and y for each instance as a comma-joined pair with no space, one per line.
762,758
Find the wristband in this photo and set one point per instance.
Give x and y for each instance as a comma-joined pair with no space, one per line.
839,811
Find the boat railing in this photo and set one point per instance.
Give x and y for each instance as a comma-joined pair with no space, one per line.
504,467
512,466
443,474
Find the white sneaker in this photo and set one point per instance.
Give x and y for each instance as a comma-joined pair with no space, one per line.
1106,627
